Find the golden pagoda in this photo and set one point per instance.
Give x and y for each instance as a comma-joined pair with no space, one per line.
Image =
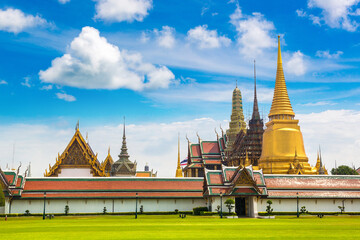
283,149
178,169
237,122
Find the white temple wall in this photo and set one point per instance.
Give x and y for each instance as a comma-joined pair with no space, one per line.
213,202
97,205
78,172
312,205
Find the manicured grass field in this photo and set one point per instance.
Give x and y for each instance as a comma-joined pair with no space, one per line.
173,227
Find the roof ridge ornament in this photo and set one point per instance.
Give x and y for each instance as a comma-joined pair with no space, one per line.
77,126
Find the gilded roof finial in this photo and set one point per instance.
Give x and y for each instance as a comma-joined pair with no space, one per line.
109,151
281,103
236,82
77,126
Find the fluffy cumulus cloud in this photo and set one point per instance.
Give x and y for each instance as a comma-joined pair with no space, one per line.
122,10
65,97
254,33
327,54
334,13
164,37
296,64
3,82
15,21
93,63
205,38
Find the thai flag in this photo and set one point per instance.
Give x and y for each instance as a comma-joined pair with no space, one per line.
183,163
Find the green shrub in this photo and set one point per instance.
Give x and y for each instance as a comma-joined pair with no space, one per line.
197,210
27,213
66,210
269,210
230,204
104,210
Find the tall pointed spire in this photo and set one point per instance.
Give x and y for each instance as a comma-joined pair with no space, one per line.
124,154
255,114
281,103
178,169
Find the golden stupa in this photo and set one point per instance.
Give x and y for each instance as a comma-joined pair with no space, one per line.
283,149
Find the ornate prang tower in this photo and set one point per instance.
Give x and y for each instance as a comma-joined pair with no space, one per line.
248,145
237,122
283,149
123,166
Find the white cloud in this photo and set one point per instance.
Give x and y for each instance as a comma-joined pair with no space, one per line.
15,21
65,97
254,33
165,37
39,144
3,82
63,1
205,38
327,54
93,63
46,87
26,82
122,10
334,13
320,103
296,65
340,143
144,37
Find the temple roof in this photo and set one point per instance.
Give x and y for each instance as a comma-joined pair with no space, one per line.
78,153
281,103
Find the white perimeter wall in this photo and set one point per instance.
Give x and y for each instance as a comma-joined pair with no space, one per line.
97,205
312,205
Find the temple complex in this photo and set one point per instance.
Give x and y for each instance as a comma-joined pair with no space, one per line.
283,149
248,145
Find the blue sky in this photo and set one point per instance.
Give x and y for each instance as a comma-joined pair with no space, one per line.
162,62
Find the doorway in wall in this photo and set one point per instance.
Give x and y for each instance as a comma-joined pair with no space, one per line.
240,206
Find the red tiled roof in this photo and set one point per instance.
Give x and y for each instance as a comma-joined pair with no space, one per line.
10,178
312,182
215,179
244,190
110,194
229,173
313,194
210,147
195,149
94,184
218,161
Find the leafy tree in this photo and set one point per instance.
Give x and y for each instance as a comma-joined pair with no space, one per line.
27,213
269,210
230,204
2,197
67,209
343,170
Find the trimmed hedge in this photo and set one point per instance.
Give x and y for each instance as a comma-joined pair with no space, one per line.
95,214
198,210
308,213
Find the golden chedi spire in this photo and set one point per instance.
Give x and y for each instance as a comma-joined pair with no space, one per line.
178,169
282,138
281,103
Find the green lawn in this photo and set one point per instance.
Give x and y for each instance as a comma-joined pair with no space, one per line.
173,227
